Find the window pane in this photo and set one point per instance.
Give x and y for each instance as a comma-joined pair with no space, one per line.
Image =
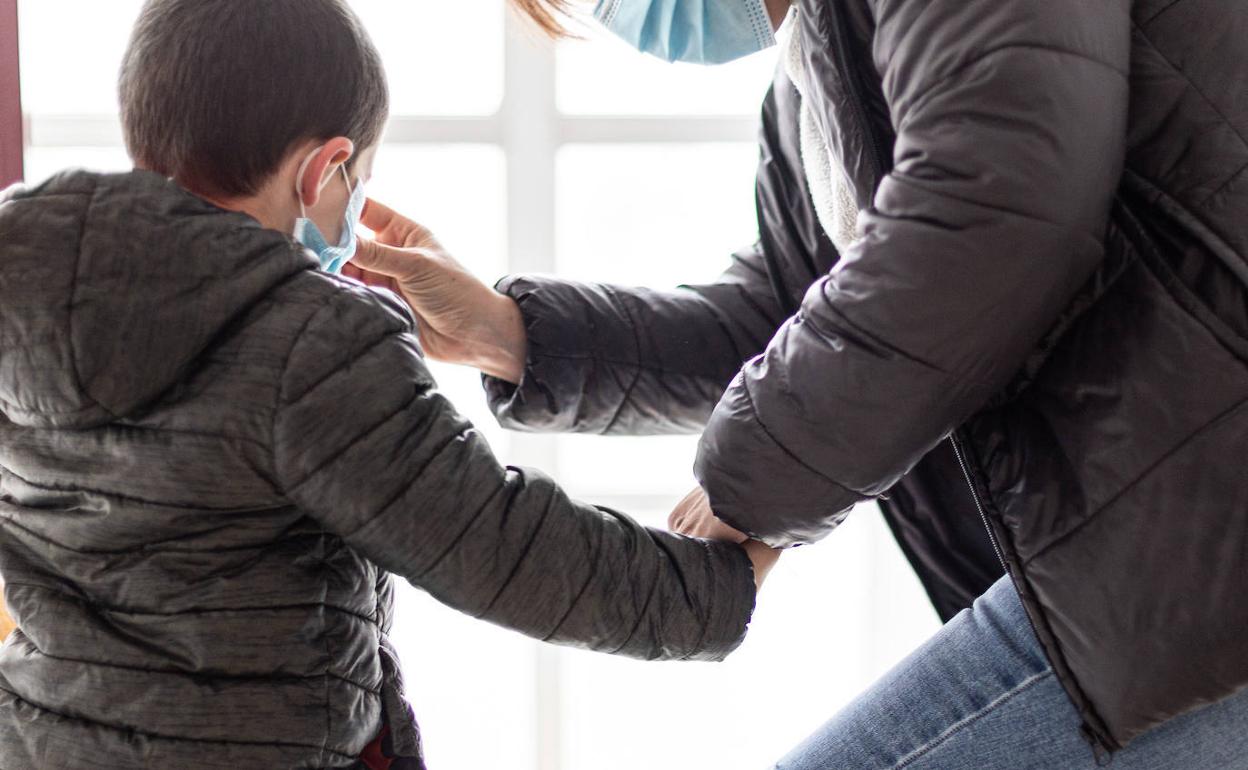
602,75
655,215
43,162
594,466
471,685
415,41
816,641
71,54
442,58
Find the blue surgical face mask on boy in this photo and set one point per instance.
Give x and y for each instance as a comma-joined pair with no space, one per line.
696,31
333,258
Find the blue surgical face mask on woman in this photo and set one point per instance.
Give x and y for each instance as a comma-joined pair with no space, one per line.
696,31
333,258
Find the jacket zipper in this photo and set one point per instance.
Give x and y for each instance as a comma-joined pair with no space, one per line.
1101,751
979,506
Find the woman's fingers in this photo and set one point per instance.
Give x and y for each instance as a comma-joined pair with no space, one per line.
387,260
392,228
763,559
676,521
377,216
368,277
693,517
676,518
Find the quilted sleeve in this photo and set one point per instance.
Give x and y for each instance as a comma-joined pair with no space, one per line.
623,360
1010,122
367,446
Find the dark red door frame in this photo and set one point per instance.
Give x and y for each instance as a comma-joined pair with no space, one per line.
11,143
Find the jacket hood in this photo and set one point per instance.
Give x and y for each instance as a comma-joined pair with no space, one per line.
112,286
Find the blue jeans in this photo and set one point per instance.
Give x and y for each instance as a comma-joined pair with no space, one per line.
981,695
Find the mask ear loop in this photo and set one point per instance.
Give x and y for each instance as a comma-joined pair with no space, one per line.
303,169
347,177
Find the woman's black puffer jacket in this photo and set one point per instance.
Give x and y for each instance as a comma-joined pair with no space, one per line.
1050,302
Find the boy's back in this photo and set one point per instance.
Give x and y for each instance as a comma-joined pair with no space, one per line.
162,577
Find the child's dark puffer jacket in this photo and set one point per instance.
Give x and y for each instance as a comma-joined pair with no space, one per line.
212,456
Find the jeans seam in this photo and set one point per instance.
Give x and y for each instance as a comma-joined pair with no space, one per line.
949,731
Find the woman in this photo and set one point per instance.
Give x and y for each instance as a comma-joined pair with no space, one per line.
1004,244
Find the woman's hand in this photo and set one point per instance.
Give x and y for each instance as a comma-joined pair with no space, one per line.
7,625
764,557
460,319
693,517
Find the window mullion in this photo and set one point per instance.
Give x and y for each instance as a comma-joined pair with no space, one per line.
530,125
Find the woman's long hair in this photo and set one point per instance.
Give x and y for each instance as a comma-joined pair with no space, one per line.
549,15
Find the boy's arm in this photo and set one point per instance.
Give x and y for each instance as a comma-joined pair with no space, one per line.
365,444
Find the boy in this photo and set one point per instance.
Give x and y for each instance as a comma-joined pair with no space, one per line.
212,454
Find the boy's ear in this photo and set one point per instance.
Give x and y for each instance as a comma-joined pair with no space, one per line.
318,166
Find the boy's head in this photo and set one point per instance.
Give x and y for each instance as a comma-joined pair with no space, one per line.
228,97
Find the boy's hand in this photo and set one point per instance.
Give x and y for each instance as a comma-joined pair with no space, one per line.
693,517
460,319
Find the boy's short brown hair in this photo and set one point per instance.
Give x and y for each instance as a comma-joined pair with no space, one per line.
215,93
